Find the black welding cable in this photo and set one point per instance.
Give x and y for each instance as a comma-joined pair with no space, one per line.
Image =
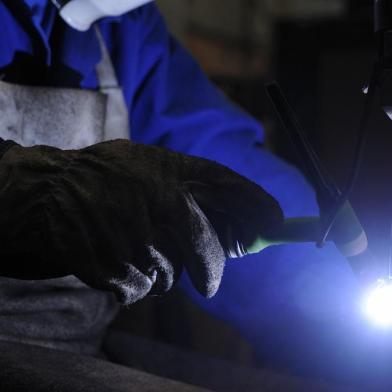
358,155
316,173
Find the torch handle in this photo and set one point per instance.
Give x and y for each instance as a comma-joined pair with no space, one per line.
300,229
347,233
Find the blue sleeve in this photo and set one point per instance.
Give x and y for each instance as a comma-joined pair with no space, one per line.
176,105
297,305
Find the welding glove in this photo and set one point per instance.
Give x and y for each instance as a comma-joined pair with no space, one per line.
124,217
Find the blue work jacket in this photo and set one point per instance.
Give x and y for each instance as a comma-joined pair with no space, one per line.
295,304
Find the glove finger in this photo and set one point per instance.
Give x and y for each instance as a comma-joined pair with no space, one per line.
102,263
237,206
230,192
166,258
199,245
153,268
129,284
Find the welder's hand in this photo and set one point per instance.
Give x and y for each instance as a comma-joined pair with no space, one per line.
124,217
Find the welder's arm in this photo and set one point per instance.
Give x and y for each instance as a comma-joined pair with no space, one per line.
124,217
175,105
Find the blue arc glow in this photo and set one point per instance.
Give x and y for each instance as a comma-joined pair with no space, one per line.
378,303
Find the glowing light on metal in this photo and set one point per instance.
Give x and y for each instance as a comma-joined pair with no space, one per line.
378,303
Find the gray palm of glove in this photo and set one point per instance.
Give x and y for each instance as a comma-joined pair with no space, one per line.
124,217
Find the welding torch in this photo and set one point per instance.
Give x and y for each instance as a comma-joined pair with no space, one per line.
337,223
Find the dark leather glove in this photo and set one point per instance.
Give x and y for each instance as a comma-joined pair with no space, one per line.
124,217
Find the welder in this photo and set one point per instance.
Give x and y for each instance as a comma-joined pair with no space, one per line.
85,212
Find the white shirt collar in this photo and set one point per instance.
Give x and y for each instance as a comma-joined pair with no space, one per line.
81,14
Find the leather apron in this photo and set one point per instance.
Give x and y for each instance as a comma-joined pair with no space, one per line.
60,313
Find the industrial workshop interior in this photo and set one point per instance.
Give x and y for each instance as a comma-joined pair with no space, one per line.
195,195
